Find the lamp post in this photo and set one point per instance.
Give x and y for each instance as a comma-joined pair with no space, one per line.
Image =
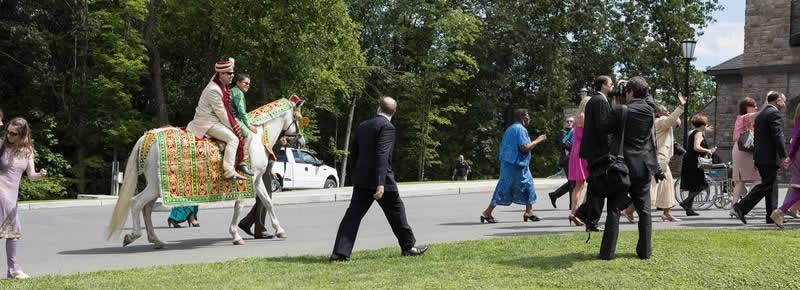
687,47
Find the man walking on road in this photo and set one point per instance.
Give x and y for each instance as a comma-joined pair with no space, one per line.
373,179
770,154
563,162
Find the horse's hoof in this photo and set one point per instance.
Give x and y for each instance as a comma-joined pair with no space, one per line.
158,246
281,235
129,238
238,242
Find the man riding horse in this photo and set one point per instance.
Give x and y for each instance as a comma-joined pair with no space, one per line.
213,118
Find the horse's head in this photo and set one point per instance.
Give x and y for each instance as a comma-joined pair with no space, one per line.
281,118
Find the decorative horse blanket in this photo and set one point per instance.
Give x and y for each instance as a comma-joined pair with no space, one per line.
190,169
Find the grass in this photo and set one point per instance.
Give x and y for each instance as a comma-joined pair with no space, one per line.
681,259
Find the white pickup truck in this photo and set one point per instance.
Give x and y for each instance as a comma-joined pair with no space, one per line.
296,169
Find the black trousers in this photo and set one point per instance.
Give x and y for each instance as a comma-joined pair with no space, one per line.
767,189
564,188
258,214
362,199
639,193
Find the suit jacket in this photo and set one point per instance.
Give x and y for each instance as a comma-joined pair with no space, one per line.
768,138
372,150
563,159
594,145
209,112
638,147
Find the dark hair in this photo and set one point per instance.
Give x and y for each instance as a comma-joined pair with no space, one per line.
773,96
238,78
746,103
699,120
600,81
519,113
638,86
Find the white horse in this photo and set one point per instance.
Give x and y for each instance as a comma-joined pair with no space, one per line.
283,124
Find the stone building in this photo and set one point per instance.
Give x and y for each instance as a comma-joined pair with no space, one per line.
771,61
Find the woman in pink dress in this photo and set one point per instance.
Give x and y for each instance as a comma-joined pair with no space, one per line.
16,157
577,166
744,168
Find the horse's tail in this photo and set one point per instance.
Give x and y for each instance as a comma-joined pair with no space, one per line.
126,192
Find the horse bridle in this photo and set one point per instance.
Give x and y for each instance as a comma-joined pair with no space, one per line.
297,135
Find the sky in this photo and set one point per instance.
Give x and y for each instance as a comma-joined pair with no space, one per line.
724,39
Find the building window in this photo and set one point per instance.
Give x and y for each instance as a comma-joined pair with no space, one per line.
794,39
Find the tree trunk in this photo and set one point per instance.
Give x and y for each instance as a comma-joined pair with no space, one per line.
347,142
155,64
83,95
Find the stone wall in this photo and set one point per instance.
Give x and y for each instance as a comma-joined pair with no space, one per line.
766,34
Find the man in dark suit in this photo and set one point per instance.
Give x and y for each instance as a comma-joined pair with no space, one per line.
594,149
638,149
769,155
563,162
373,179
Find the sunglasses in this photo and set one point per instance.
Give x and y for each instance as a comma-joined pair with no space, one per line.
228,73
15,134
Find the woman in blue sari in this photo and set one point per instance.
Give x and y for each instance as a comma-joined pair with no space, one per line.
516,183
183,214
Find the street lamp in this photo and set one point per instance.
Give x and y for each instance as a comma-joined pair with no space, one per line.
687,47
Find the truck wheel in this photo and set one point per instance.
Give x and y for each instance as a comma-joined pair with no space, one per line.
329,183
277,184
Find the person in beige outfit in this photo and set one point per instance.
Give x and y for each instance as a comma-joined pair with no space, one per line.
663,192
212,117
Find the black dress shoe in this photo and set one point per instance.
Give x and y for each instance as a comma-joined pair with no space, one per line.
245,229
415,251
264,236
338,258
601,257
552,199
593,228
244,169
739,214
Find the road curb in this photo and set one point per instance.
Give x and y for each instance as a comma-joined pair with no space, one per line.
304,196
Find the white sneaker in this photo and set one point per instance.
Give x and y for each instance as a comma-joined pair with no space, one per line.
18,275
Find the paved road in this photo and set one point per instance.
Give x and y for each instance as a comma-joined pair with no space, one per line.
68,240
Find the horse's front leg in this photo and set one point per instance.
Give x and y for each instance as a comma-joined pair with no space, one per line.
148,223
234,229
266,201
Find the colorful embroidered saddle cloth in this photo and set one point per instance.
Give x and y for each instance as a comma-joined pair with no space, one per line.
190,170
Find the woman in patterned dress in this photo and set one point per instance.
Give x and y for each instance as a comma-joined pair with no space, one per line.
16,157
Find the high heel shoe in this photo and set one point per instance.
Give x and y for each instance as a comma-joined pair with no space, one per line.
669,218
488,219
532,218
172,224
196,225
573,219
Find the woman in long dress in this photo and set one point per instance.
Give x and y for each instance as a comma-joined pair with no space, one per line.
16,157
744,168
577,169
183,214
693,178
516,182
793,199
663,194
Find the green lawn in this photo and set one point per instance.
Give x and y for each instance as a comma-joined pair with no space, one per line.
681,259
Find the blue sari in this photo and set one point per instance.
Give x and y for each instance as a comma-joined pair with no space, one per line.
516,182
180,214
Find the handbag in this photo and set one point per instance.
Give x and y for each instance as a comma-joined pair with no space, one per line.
617,176
703,162
745,141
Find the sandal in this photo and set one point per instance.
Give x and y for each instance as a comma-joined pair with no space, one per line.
488,219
